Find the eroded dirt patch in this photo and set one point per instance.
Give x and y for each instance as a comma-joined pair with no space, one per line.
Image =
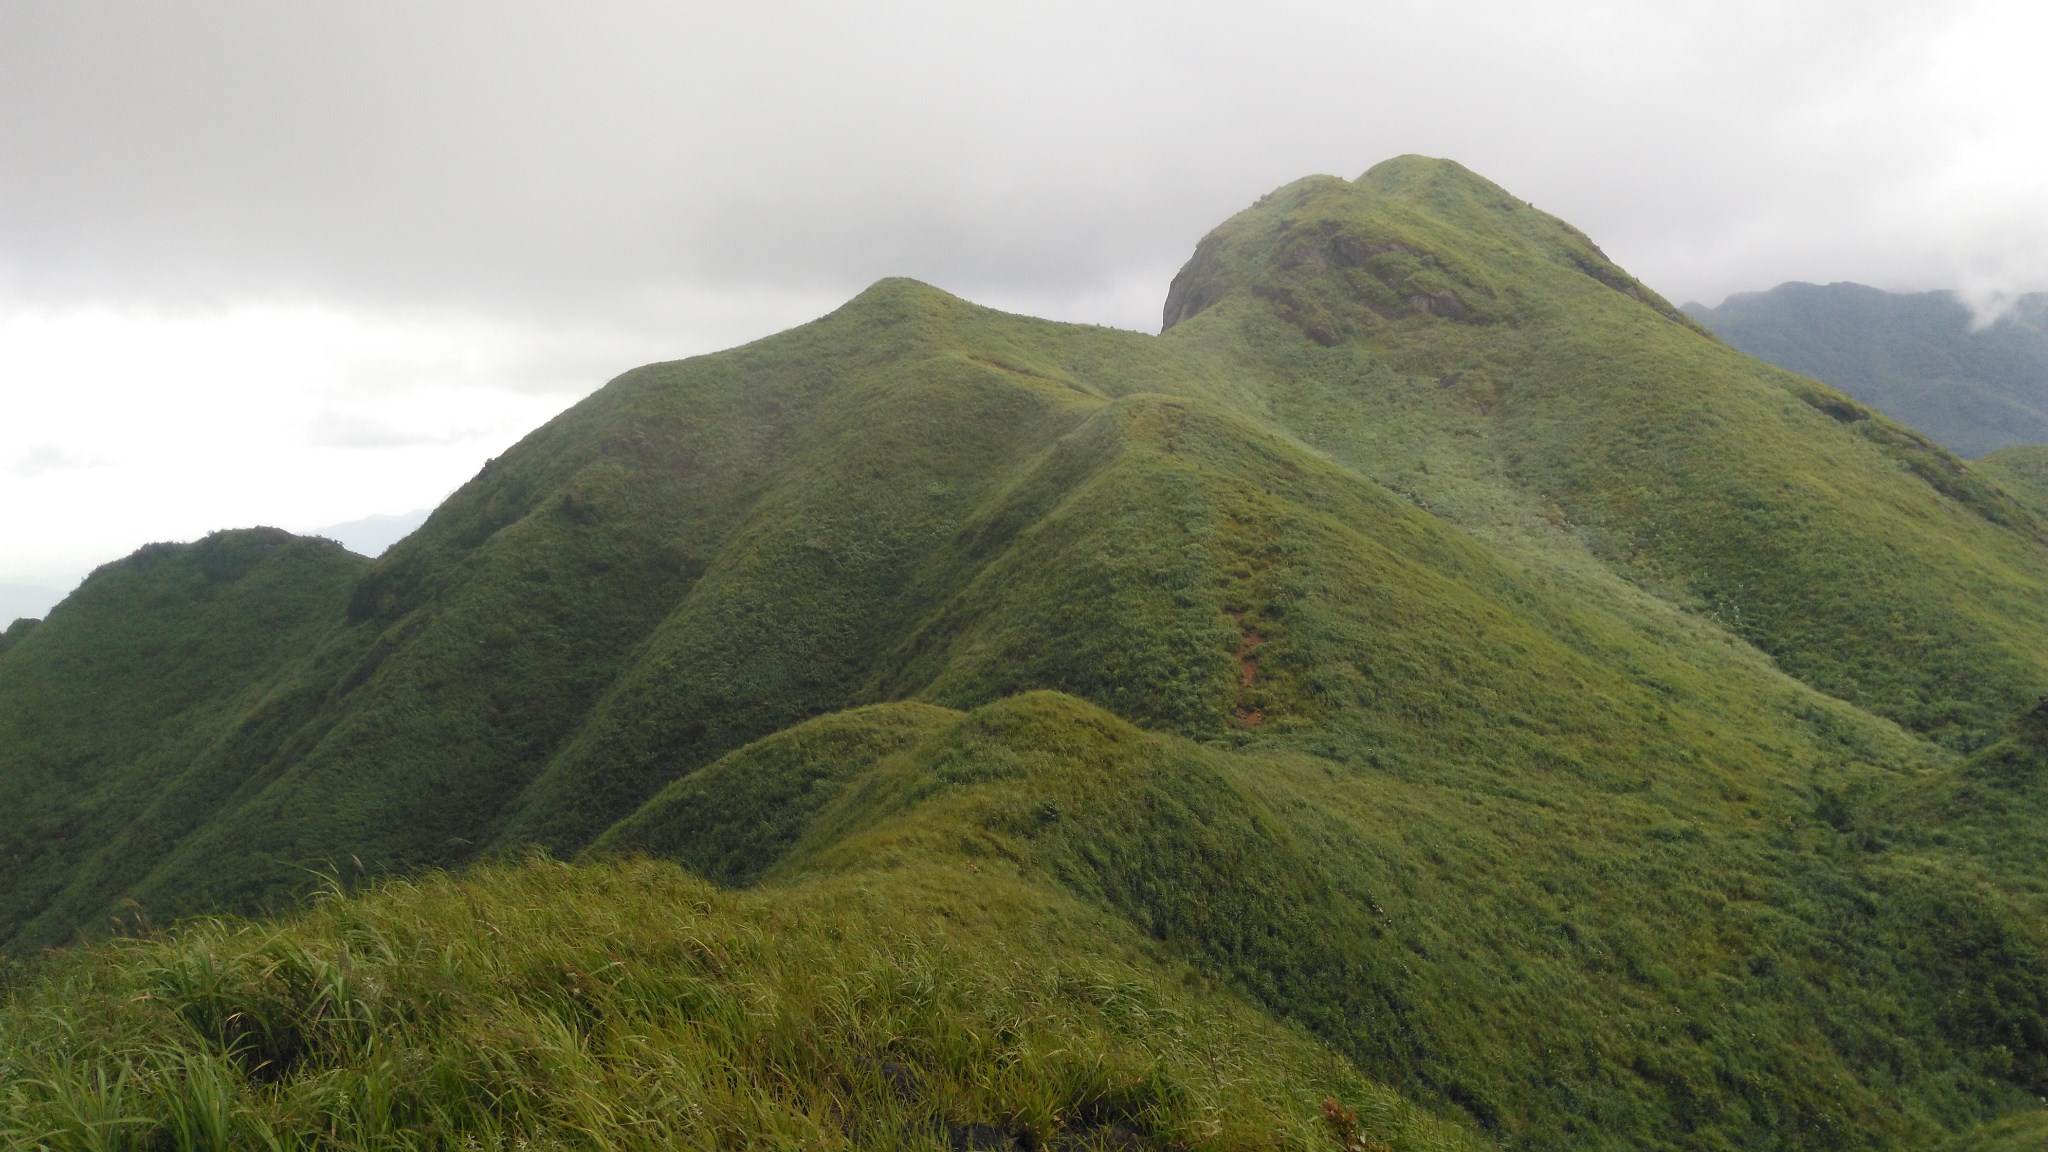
1247,657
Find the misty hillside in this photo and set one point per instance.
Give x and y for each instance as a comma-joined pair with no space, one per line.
373,535
1435,694
1920,358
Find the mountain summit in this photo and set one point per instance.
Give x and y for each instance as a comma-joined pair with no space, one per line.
1433,651
1413,235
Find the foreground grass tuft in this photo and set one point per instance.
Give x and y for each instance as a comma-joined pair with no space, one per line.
630,1005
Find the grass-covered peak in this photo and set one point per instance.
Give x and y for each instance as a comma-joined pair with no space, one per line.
1414,235
1449,340
1412,169
113,711
1432,639
17,631
1446,187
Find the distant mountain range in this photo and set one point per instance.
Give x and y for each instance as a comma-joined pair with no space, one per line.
1433,695
372,535
1917,357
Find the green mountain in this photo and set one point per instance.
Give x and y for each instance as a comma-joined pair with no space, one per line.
2022,470
1919,358
126,717
1434,694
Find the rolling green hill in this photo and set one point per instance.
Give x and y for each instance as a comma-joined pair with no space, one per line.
1918,357
1434,655
2022,470
127,719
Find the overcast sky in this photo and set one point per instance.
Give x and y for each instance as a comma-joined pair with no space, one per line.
298,263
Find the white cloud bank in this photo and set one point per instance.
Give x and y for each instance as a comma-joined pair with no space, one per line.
125,426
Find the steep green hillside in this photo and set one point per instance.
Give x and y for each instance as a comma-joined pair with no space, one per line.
132,715
2022,470
1568,962
1563,965
1917,357
1433,637
1432,332
2020,1133
731,821
1993,806
17,631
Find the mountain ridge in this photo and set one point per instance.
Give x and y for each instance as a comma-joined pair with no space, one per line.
1925,358
1434,639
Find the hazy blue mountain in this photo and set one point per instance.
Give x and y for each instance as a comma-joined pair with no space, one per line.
371,535
1914,356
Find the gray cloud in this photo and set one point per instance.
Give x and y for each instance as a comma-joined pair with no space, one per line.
352,430
41,459
588,162
241,238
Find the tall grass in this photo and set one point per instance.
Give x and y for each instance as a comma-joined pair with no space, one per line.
629,1006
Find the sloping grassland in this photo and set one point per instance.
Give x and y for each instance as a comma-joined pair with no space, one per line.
1434,675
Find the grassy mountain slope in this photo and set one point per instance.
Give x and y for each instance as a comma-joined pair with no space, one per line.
1428,330
2020,469
1569,963
1566,966
18,631
1433,636
733,820
2011,1134
1917,357
699,555
1994,806
643,1009
127,717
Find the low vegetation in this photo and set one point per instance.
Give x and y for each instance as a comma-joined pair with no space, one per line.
2022,470
1435,678
631,1006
